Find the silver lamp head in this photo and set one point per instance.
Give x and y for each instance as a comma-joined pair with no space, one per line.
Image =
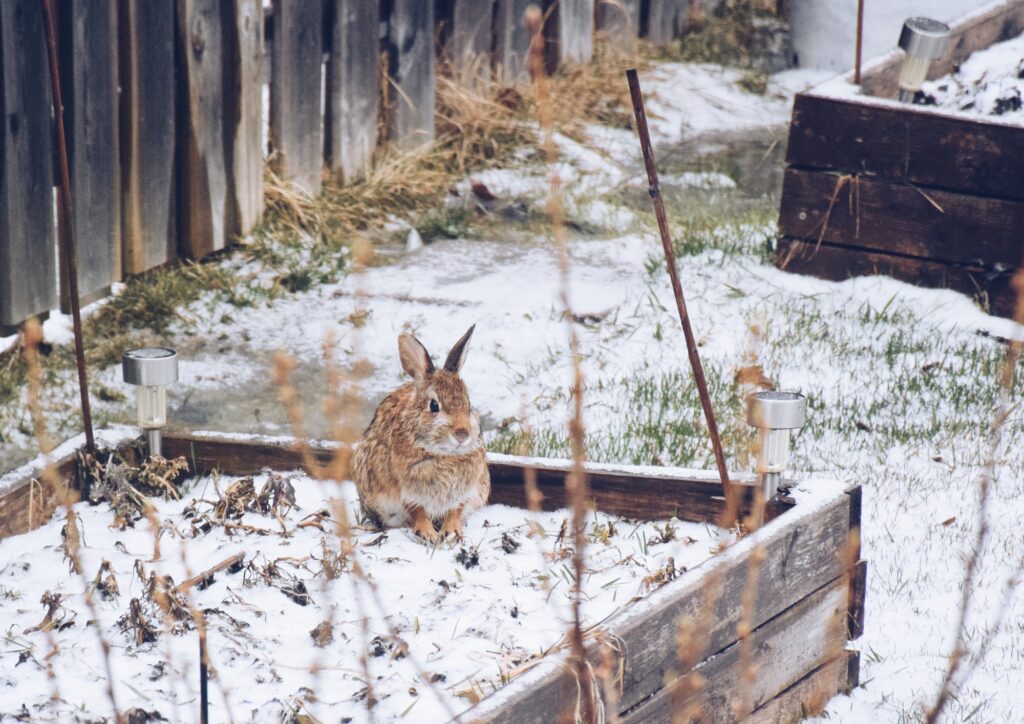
923,40
151,369
774,414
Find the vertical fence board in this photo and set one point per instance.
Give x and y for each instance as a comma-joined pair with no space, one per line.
295,87
411,85
619,21
204,165
244,68
472,22
666,19
148,224
569,32
88,64
27,248
353,87
511,40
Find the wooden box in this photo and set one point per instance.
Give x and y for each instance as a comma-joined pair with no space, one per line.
808,602
929,196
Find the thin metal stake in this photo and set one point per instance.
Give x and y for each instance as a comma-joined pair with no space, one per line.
677,289
204,699
860,42
67,233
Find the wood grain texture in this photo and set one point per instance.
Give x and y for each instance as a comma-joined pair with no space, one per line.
296,138
569,33
805,697
30,502
511,41
87,48
28,284
469,46
411,83
243,78
798,640
858,595
665,20
905,144
353,88
893,217
829,261
1004,20
147,115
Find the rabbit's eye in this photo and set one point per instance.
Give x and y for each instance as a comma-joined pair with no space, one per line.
434,407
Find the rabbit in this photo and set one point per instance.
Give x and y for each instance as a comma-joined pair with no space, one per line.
421,458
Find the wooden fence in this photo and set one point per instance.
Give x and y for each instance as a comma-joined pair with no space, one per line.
164,112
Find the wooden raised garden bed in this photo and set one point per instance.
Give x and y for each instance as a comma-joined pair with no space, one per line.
929,196
808,603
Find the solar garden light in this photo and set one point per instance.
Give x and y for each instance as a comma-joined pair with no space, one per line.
775,415
923,40
151,369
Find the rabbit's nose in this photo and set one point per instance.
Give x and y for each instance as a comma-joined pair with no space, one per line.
461,434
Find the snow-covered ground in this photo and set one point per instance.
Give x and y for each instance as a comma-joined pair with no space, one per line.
988,83
900,380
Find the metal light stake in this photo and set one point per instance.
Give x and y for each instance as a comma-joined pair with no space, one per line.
151,369
923,40
774,414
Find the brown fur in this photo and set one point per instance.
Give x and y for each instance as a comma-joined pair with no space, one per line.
415,466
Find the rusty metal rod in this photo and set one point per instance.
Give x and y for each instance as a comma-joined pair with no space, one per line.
67,233
677,289
860,42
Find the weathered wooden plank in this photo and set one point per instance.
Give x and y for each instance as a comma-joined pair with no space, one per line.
996,22
665,20
147,122
616,491
618,21
27,248
801,557
511,41
470,41
205,162
569,33
353,88
30,500
907,144
89,90
295,120
808,696
411,85
829,261
900,218
858,594
783,650
244,78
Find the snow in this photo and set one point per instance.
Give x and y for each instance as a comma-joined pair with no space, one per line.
469,614
989,82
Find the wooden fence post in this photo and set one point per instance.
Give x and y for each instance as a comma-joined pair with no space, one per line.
87,44
27,248
411,82
470,41
568,33
295,88
619,21
666,19
511,40
148,217
353,87
220,61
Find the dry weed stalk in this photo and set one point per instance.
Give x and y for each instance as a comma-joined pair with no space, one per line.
576,481
1004,407
32,336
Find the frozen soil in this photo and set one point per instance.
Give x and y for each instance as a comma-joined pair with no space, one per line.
988,83
445,625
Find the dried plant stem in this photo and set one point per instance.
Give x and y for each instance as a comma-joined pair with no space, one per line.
1003,409
32,336
576,481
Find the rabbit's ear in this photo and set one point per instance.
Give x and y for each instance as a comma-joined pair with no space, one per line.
457,357
415,358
